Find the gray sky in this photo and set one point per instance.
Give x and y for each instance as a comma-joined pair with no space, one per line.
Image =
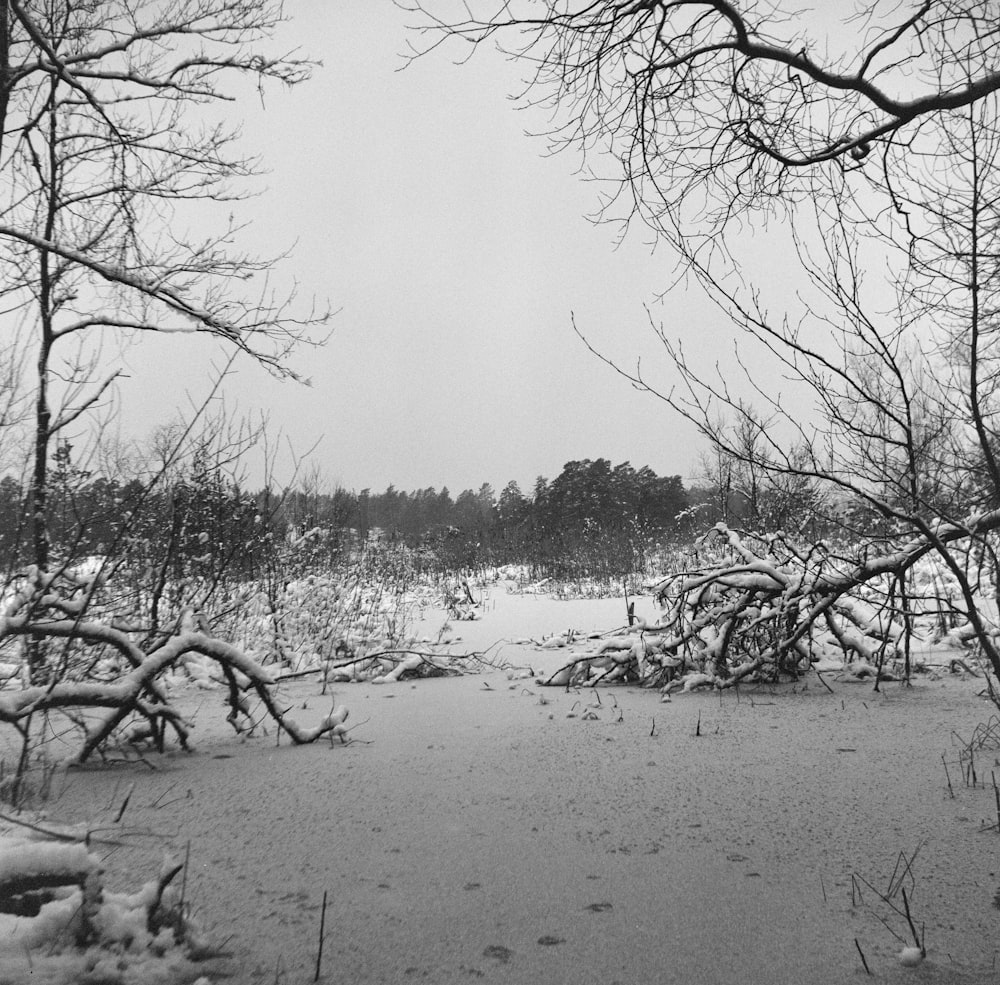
455,251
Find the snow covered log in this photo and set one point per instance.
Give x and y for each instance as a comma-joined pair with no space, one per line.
58,922
27,867
391,666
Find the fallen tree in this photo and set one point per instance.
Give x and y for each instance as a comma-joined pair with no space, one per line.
123,681
764,607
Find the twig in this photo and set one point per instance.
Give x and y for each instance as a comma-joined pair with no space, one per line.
822,681
868,970
60,835
184,877
996,795
121,810
322,928
343,735
299,673
909,920
907,870
165,879
156,803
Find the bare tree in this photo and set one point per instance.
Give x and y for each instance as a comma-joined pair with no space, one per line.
880,165
106,146
117,147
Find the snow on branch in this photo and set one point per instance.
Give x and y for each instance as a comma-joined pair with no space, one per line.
37,611
762,606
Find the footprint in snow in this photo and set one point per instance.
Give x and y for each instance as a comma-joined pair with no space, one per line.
498,951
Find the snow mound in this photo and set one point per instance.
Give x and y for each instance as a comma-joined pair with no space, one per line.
60,926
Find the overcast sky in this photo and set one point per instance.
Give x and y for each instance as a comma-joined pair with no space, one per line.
456,252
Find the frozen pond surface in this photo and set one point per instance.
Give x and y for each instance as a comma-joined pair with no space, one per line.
476,832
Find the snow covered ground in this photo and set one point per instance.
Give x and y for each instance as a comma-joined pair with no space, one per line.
484,828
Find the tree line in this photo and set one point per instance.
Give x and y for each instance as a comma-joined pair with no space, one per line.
594,519
615,515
